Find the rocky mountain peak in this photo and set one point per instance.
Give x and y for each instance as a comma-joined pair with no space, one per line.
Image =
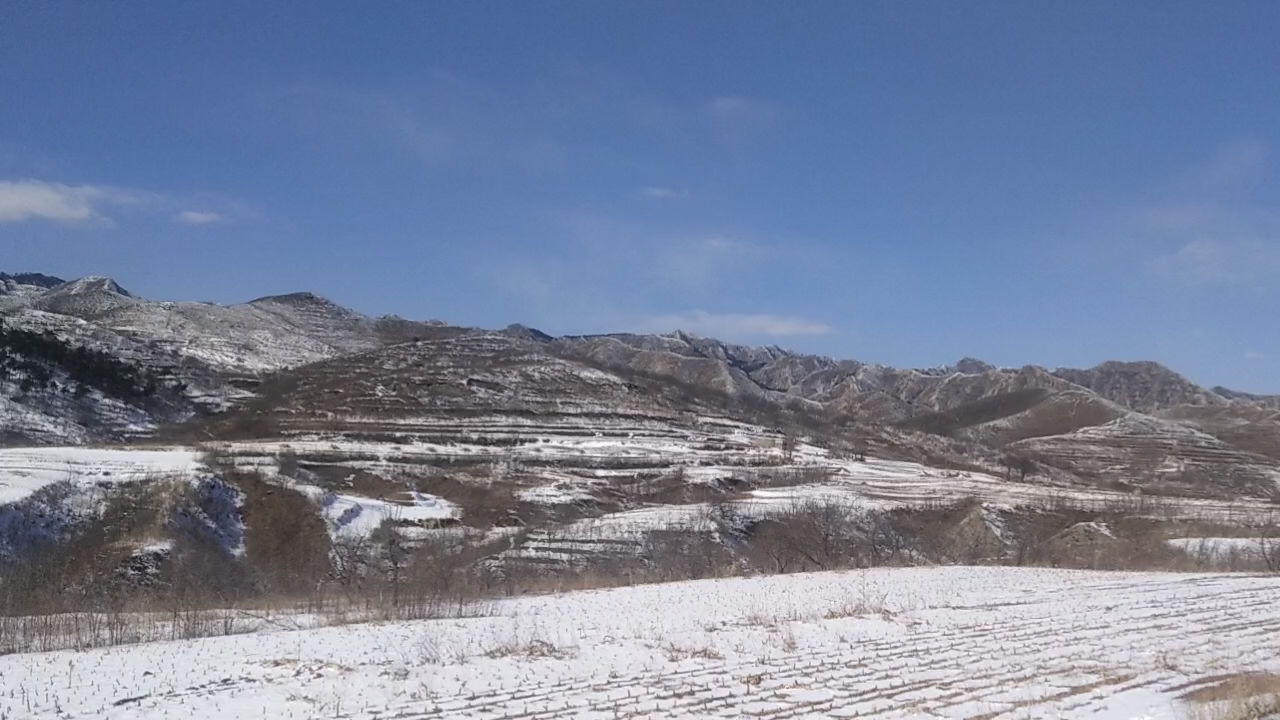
87,298
526,333
973,366
90,285
1143,386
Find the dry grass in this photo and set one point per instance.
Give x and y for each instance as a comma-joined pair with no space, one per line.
1245,696
787,639
861,604
675,653
530,648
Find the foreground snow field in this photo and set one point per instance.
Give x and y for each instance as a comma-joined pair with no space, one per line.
894,643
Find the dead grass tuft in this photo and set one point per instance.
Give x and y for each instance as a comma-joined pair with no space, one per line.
676,653
534,648
1245,696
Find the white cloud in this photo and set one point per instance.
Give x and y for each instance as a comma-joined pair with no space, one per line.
199,217
664,193
22,200
735,325
1254,356
93,205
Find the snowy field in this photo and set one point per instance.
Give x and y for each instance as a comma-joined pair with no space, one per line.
352,516
25,470
927,643
1225,549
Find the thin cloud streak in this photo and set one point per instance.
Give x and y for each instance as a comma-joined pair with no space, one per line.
735,120
199,217
1226,263
736,325
664,193
1238,163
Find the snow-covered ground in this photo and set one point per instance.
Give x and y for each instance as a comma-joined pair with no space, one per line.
562,467
931,643
60,417
26,470
23,471
357,516
1225,549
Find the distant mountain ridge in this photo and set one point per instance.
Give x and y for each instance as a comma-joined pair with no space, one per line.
32,279
1106,424
1143,385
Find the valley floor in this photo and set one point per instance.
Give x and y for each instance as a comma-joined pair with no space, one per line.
949,642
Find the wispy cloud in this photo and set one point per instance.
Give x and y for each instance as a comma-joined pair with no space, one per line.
570,121
27,199
429,142
600,272
444,122
695,261
199,217
1252,355
664,193
101,206
1211,232
736,326
535,283
1243,263
679,258
734,120
1239,162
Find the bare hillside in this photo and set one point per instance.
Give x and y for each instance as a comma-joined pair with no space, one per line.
287,364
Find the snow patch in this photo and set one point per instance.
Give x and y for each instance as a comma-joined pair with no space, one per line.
23,471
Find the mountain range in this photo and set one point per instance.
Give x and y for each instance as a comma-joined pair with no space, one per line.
298,363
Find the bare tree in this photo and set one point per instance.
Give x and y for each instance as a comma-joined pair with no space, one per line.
393,557
1269,543
350,557
790,442
1019,464
810,535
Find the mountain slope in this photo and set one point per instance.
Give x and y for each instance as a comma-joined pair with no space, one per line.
1157,455
1143,386
213,351
269,333
301,363
53,388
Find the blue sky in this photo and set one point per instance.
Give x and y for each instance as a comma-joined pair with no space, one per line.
1053,183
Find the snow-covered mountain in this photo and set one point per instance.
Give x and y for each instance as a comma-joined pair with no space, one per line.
263,335
214,351
300,361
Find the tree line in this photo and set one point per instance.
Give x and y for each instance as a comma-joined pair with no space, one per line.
37,360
